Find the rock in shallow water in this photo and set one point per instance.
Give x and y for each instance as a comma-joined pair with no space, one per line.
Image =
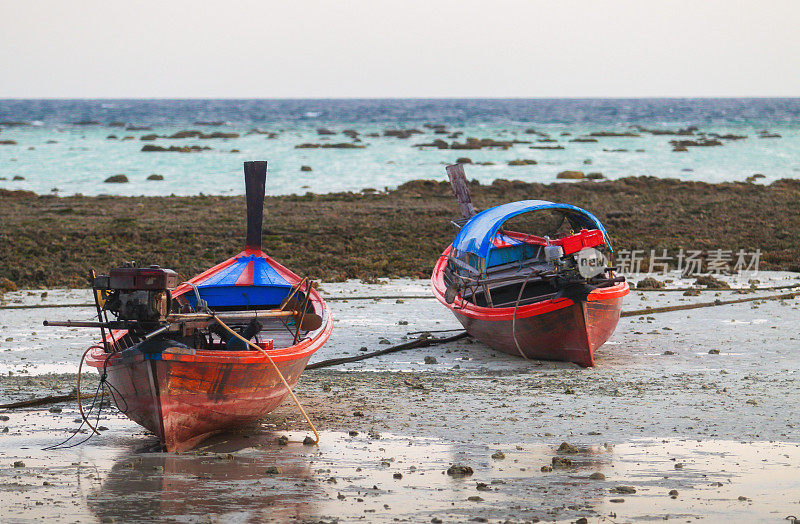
459,470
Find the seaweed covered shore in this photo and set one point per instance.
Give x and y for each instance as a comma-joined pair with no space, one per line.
50,241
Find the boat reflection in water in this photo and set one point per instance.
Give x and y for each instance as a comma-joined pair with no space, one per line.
249,476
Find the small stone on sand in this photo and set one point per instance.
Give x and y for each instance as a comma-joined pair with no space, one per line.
458,470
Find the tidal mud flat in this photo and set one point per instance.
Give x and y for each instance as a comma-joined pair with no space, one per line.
49,241
703,402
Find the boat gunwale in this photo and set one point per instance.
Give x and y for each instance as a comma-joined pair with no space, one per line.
463,307
304,348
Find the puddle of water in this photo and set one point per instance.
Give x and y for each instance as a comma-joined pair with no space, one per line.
247,477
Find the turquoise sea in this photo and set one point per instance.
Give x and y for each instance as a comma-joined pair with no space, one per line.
72,146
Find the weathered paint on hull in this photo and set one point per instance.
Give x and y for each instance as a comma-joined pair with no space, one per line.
553,329
569,334
184,403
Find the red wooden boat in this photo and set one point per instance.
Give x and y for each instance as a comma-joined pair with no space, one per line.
549,297
173,367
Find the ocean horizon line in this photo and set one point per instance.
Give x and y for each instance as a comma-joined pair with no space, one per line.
380,98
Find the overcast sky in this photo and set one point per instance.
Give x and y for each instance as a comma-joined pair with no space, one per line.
398,48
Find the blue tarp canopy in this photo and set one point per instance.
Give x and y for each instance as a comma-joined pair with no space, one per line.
249,281
477,235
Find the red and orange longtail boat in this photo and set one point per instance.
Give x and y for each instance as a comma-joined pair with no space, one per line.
549,297
215,352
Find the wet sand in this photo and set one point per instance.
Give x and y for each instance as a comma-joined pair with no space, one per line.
658,413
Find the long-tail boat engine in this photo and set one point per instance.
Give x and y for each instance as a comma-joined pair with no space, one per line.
137,294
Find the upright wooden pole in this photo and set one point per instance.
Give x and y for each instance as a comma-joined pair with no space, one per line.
255,179
458,181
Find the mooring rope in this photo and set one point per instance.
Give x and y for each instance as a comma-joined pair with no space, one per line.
278,371
43,401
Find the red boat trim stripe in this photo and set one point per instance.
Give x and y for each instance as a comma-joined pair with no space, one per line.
468,309
246,278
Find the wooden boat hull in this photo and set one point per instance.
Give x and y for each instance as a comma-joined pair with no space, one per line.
184,402
555,329
185,398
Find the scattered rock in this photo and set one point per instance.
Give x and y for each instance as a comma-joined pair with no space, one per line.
614,134
623,490
569,391
463,160
753,178
713,352
148,137
702,142
711,283
185,134
546,469
282,440
566,447
401,133
650,283
673,493
523,162
308,441
617,501
571,175
7,285
431,360
218,134
583,139
691,293
18,177
475,498
340,145
597,476
55,410
306,168
561,462
678,465
397,475
358,414
19,464
595,176
498,455
272,470
116,179
459,470
150,148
